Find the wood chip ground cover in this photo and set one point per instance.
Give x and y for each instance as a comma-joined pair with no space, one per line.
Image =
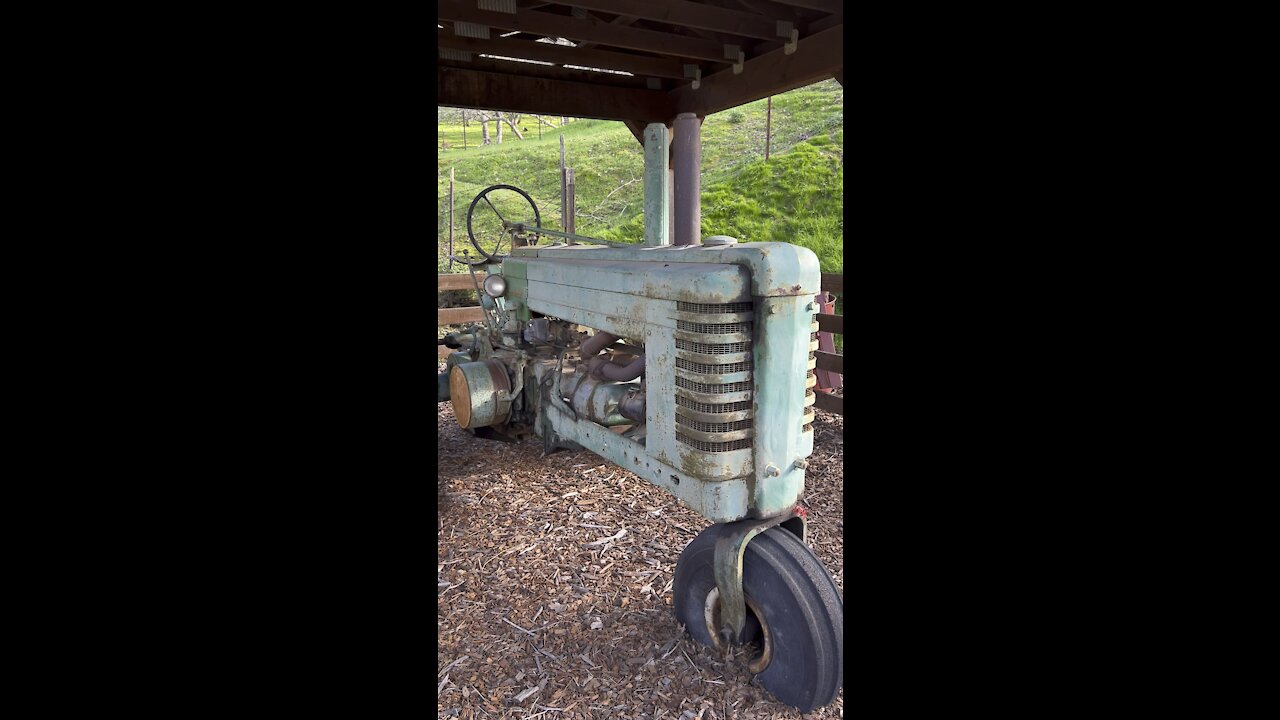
554,579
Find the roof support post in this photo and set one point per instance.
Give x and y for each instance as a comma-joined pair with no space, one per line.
686,149
657,208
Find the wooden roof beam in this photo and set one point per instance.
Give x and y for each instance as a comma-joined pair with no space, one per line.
812,28
817,58
458,87
637,128
826,6
531,70
549,25
620,20
562,55
772,11
687,14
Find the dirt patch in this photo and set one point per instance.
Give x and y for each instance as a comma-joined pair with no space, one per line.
554,577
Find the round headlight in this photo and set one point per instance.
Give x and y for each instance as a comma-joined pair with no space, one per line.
495,286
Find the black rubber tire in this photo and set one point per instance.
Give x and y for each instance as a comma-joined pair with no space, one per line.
537,218
799,600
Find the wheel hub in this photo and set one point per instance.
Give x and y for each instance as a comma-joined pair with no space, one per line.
719,635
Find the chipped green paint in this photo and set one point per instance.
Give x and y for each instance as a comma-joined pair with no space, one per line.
775,268
781,353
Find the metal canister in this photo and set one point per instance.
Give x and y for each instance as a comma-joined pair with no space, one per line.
478,391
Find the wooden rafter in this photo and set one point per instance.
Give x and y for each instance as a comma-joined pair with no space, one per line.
826,6
562,55
772,11
817,58
508,67
458,87
620,20
549,25
687,14
655,42
806,30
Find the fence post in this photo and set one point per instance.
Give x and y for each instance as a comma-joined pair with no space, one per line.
768,126
570,206
566,193
450,218
464,131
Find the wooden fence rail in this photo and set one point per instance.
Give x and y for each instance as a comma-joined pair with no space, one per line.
834,362
826,323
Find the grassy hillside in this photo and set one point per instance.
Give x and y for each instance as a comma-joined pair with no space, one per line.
797,196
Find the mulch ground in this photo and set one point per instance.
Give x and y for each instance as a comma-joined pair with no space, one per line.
554,578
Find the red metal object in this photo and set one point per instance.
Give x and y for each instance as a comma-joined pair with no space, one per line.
827,380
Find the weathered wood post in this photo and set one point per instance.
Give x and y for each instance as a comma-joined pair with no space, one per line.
570,206
566,193
768,126
450,218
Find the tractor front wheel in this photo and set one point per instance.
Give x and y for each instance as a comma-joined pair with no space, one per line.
795,616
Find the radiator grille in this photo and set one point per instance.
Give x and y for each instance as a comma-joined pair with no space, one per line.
715,446
706,369
737,327
713,309
717,349
688,404
712,389
714,443
715,427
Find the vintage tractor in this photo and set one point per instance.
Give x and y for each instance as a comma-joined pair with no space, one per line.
698,376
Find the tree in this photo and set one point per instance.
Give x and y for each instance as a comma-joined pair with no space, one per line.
512,120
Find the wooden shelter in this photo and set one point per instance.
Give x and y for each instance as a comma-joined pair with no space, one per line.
651,64
635,61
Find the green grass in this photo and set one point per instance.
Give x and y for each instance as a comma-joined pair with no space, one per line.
797,196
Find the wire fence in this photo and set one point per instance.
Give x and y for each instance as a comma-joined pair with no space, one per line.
456,132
